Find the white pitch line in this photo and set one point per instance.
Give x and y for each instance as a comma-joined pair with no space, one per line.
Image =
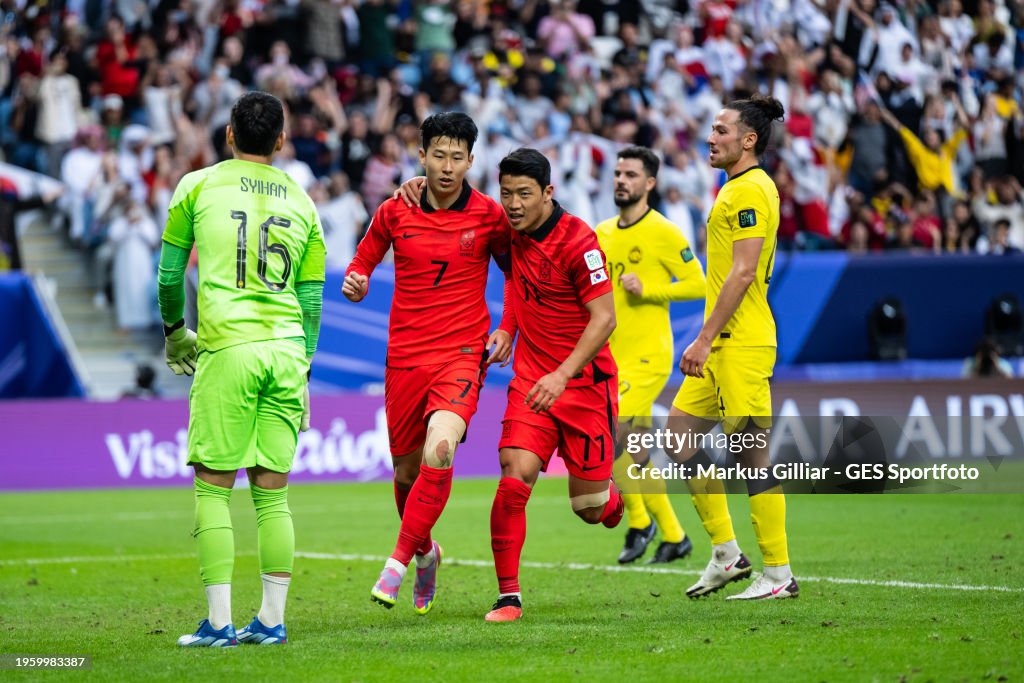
572,566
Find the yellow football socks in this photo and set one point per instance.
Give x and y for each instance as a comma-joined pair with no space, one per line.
768,513
708,496
659,506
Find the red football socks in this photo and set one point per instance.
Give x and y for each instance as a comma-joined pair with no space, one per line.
508,531
613,509
424,504
402,495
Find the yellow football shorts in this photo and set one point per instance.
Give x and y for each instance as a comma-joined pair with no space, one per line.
734,388
639,388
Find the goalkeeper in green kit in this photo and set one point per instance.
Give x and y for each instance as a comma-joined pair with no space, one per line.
261,247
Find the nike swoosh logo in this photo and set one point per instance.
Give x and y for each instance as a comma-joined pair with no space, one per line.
730,566
407,236
459,403
776,591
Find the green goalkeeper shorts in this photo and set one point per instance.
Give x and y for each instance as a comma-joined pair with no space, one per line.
246,404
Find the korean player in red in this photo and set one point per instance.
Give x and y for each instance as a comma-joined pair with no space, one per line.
437,337
564,394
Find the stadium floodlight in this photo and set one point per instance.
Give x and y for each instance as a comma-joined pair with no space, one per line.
887,330
1004,324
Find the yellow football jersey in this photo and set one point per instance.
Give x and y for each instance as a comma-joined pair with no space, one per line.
747,206
655,249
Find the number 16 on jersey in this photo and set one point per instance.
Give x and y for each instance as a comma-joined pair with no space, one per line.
265,249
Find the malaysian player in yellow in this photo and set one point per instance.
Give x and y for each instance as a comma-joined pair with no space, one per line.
260,296
729,365
651,264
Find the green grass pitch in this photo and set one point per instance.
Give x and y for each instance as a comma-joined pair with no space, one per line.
112,574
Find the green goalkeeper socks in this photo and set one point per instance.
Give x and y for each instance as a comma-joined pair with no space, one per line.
274,529
213,533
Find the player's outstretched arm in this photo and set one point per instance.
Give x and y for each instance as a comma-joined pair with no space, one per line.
745,255
601,325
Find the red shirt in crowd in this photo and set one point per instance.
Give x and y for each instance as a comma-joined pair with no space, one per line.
117,77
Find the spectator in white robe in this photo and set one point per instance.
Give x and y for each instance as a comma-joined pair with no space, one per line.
78,170
133,236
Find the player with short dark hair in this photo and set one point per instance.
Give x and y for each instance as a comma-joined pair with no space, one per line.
257,123
564,394
260,297
437,337
651,264
647,158
729,365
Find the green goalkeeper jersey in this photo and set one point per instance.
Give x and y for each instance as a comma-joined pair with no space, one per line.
257,234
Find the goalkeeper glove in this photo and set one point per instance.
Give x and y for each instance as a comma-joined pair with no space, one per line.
180,348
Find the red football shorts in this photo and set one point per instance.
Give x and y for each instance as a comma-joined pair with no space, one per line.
412,394
580,425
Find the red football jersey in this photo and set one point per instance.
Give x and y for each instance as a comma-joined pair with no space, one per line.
555,270
439,312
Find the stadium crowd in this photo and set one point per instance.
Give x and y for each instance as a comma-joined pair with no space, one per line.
904,125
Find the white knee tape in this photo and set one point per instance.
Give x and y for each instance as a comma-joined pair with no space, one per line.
444,431
589,500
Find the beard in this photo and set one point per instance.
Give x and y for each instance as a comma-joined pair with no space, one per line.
721,162
628,200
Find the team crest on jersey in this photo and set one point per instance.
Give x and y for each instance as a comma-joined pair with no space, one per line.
545,271
593,259
466,242
748,218
635,255
687,255
598,276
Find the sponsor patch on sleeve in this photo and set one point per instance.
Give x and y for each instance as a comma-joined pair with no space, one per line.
687,255
598,276
593,259
748,218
